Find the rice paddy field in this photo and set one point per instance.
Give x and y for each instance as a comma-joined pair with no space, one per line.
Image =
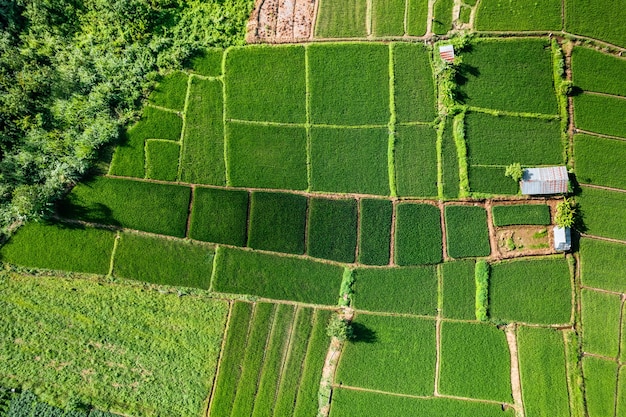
270,187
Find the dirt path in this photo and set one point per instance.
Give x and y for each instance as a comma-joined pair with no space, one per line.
608,239
516,385
438,346
600,135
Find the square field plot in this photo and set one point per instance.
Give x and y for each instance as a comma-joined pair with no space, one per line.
414,92
475,362
596,71
171,91
219,216
603,212
397,290
341,19
603,264
596,160
162,159
601,322
266,156
531,291
388,17
375,233
349,83
503,140
392,354
277,222
349,160
459,289
415,157
266,83
526,65
332,229
491,180
520,15
600,114
466,231
597,19
418,237
521,214
208,62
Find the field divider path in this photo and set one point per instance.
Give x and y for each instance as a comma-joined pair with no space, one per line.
368,18
516,385
438,352
392,240
219,359
473,13
602,187
406,17
595,93
492,229
113,251
429,19
192,198
608,239
181,141
494,112
444,232
587,132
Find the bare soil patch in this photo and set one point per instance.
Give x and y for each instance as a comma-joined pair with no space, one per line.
281,21
514,241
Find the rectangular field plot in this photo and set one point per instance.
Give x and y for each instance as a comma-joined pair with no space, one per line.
538,214
375,233
418,237
603,211
349,160
416,17
601,322
277,222
531,291
416,161
149,207
466,231
597,19
266,83
459,289
494,15
266,156
526,65
503,140
349,83
600,382
469,353
219,216
397,290
132,341
600,114
603,264
596,159
170,92
162,159
341,19
442,16
277,277
414,92
393,354
203,139
543,374
208,62
129,156
596,71
60,247
388,17
332,229
491,180
449,161
163,261
349,403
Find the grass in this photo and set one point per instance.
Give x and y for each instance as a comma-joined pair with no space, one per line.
416,161
418,234
388,17
149,207
602,264
602,212
600,114
449,162
349,83
129,156
459,290
341,19
417,14
601,20
162,159
60,247
414,92
348,403
596,159
503,140
163,261
481,276
203,140
349,160
538,214
208,62
277,222
526,66
110,345
595,71
170,92
466,231
442,16
524,15
465,14
219,216
469,352
491,180
266,156
375,234
332,229
621,394
543,373
276,277
600,381
601,325
281,97
410,290
531,291
393,354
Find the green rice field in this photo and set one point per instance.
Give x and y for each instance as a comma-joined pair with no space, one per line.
596,159
525,15
602,264
521,214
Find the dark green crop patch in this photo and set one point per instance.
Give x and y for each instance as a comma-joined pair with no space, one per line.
596,71
219,216
524,15
491,180
520,214
162,159
596,160
208,62
459,289
332,229
600,114
442,16
416,161
375,233
418,234
414,92
341,19
466,231
602,264
170,92
597,19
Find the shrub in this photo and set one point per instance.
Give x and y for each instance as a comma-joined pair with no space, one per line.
339,327
481,274
566,212
514,171
346,291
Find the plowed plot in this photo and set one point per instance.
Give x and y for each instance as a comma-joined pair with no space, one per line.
514,241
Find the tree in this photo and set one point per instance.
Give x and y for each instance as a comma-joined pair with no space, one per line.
514,171
566,212
339,327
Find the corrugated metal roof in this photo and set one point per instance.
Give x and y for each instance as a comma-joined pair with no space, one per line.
550,180
446,52
562,238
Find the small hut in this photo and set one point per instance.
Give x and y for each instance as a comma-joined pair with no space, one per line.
562,238
446,52
541,181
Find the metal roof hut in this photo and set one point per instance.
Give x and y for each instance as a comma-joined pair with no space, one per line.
550,180
562,238
446,52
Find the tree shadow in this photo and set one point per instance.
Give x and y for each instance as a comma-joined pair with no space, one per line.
361,333
464,73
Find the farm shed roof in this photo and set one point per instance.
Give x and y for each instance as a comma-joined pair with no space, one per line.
562,238
550,180
446,52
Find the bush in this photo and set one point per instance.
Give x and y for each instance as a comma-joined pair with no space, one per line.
514,171
339,327
481,274
566,213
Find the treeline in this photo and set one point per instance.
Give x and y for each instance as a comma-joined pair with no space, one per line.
73,72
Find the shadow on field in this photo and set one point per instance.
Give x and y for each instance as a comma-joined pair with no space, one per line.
462,76
361,333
